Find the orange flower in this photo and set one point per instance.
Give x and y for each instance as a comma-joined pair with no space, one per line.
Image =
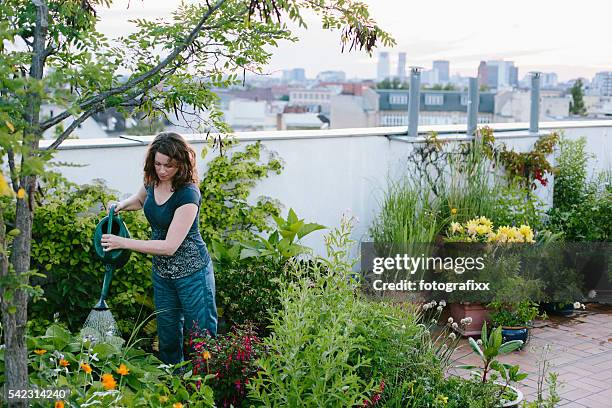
177,405
206,355
40,352
21,193
59,404
123,370
86,367
64,362
108,381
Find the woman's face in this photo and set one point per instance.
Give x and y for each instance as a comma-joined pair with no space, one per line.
165,168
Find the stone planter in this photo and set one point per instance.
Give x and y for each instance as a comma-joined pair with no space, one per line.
477,311
517,401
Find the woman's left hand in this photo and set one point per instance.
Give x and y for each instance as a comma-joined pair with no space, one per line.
110,242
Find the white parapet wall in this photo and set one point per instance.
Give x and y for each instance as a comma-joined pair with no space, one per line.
326,173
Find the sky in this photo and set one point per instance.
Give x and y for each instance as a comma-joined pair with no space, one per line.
571,39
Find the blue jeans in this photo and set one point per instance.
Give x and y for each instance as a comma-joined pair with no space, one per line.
183,304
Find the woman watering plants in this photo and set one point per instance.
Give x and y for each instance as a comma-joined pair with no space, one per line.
183,278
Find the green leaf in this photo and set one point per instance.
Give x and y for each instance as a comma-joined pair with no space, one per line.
292,217
308,228
475,347
510,346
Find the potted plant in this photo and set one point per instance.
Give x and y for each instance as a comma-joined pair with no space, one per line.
515,319
488,348
483,239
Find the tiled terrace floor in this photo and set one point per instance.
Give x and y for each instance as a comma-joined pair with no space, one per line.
580,352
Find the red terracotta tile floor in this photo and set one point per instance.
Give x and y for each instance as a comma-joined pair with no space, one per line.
579,350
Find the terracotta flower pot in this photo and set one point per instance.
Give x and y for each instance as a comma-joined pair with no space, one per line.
477,311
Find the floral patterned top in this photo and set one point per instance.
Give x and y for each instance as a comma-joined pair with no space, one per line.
191,255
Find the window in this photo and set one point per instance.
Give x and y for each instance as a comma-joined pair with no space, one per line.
434,99
398,99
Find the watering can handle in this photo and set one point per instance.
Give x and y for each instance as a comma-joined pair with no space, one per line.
111,215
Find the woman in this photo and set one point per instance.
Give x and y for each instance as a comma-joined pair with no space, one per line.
183,278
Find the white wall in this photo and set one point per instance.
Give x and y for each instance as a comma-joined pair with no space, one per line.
326,172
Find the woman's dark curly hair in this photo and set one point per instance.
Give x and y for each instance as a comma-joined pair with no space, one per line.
181,154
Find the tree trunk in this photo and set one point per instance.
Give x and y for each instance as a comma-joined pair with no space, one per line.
16,353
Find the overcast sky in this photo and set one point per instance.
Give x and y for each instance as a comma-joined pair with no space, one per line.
572,39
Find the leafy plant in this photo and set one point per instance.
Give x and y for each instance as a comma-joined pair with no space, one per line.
518,314
314,356
225,213
490,348
581,207
247,290
106,374
230,360
281,243
407,215
62,250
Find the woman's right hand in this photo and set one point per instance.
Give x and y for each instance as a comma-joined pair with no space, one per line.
118,206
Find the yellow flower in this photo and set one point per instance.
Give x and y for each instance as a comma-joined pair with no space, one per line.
123,370
40,352
5,190
108,381
177,405
86,367
527,233
485,221
443,399
455,227
64,363
453,211
483,229
59,404
21,193
471,226
163,399
514,235
206,355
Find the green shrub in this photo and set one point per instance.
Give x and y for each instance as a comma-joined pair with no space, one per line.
248,290
225,214
315,354
582,208
330,346
105,374
62,249
517,205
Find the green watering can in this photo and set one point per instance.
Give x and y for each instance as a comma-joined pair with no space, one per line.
116,258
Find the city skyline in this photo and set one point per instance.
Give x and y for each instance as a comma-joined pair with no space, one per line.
536,36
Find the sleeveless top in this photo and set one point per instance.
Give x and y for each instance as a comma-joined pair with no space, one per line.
191,255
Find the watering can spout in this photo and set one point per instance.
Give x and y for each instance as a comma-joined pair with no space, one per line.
101,305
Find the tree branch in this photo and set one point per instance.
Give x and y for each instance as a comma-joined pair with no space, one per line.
71,128
141,78
13,170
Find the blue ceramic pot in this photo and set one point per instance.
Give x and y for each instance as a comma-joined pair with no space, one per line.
515,333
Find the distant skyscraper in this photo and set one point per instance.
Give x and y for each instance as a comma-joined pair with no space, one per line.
513,76
401,66
549,80
384,67
443,70
294,75
483,77
603,83
502,74
331,76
